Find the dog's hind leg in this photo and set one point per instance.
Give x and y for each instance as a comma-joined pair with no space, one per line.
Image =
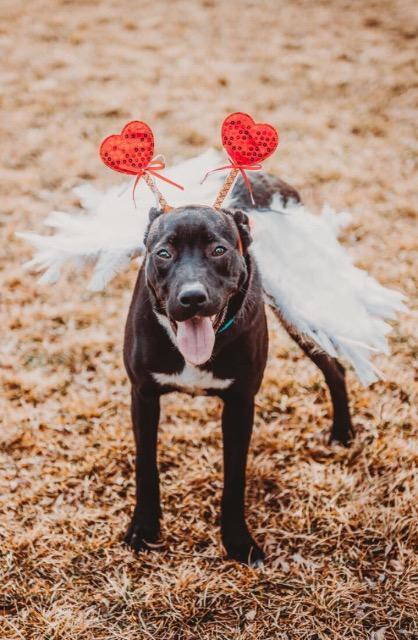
144,530
334,374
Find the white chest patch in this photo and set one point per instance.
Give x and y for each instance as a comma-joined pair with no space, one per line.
165,322
191,379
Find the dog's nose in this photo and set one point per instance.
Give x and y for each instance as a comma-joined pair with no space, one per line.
193,295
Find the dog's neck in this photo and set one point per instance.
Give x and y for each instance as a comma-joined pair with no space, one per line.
237,301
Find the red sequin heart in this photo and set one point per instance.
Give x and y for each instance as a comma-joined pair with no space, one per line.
247,142
131,151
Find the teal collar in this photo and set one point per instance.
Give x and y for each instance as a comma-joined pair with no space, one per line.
227,325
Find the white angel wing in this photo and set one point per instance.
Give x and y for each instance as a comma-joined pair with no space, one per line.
307,275
109,231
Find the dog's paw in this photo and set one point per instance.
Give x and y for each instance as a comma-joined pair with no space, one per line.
247,552
342,434
141,539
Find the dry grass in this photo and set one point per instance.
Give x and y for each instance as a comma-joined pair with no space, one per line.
338,79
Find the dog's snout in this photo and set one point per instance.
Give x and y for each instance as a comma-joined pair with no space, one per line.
193,295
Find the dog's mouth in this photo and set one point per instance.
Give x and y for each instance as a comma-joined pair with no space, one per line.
196,337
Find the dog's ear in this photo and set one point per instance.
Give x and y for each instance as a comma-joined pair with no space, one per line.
243,225
153,214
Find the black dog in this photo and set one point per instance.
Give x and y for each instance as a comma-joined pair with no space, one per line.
197,323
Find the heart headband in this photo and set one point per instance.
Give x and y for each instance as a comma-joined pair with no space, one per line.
132,152
246,143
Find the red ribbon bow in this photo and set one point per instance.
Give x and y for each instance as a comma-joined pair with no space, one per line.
242,168
154,167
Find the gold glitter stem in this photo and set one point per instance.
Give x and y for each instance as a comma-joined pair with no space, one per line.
163,202
227,186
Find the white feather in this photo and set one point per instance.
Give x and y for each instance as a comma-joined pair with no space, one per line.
306,273
310,278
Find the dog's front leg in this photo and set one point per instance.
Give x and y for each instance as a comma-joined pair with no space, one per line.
237,425
144,530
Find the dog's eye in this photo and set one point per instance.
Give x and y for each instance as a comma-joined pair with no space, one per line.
218,251
163,253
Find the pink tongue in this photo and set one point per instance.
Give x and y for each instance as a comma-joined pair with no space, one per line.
195,339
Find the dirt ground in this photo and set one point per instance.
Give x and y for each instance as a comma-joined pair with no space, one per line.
338,79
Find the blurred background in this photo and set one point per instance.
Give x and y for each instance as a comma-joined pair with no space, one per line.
338,80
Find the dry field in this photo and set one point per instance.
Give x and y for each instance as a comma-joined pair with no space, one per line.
338,79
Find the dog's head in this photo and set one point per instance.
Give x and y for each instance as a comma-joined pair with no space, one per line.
195,263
